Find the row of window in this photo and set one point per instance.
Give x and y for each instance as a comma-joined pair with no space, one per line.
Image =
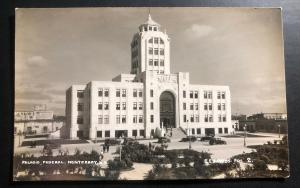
156,40
207,118
155,51
120,92
206,94
150,28
107,133
104,119
207,106
155,62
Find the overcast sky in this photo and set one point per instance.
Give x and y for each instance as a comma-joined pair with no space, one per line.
238,47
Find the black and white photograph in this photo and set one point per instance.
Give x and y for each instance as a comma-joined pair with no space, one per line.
149,93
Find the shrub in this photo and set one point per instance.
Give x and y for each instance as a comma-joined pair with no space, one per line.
260,165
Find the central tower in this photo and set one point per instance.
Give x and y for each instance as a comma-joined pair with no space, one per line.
150,49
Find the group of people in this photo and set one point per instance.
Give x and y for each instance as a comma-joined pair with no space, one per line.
105,147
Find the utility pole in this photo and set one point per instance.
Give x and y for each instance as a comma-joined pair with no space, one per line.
278,130
188,133
245,134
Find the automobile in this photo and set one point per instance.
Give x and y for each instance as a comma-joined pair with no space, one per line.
163,140
206,138
188,138
52,146
217,141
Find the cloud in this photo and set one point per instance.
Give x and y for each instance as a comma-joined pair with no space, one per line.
36,95
197,31
36,61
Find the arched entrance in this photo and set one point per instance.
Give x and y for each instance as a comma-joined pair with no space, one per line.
167,109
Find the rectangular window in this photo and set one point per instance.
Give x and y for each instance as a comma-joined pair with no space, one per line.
99,134
191,106
196,106
79,120
206,118
140,93
106,93
80,94
140,106
100,92
205,106
134,132
210,106
80,106
184,118
100,119
123,105
196,94
117,106
107,133
123,92
124,119
106,119
223,106
193,131
150,62
224,118
162,51
205,94
118,119
184,94
161,41
219,106
219,118
135,106
106,106
155,62
220,130
191,94
151,51
135,119
134,93
150,28
223,95
151,105
151,93
162,63
100,106
152,118
184,106
142,132
192,118
210,94
210,118
226,130
141,119
198,131
197,118
155,51
118,93
219,95
155,40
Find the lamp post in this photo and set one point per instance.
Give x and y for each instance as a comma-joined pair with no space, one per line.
278,130
245,128
122,140
188,133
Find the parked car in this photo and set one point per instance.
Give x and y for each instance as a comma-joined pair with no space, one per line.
162,140
206,138
217,141
188,138
52,146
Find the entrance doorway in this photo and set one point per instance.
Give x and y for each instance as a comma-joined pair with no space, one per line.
167,109
121,133
210,131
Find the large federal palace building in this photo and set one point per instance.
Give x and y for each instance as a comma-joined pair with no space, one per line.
148,99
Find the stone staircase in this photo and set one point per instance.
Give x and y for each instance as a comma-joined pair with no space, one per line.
176,133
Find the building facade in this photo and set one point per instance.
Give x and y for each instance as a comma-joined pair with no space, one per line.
36,122
147,99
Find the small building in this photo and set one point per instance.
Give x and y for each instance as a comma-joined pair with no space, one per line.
36,122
